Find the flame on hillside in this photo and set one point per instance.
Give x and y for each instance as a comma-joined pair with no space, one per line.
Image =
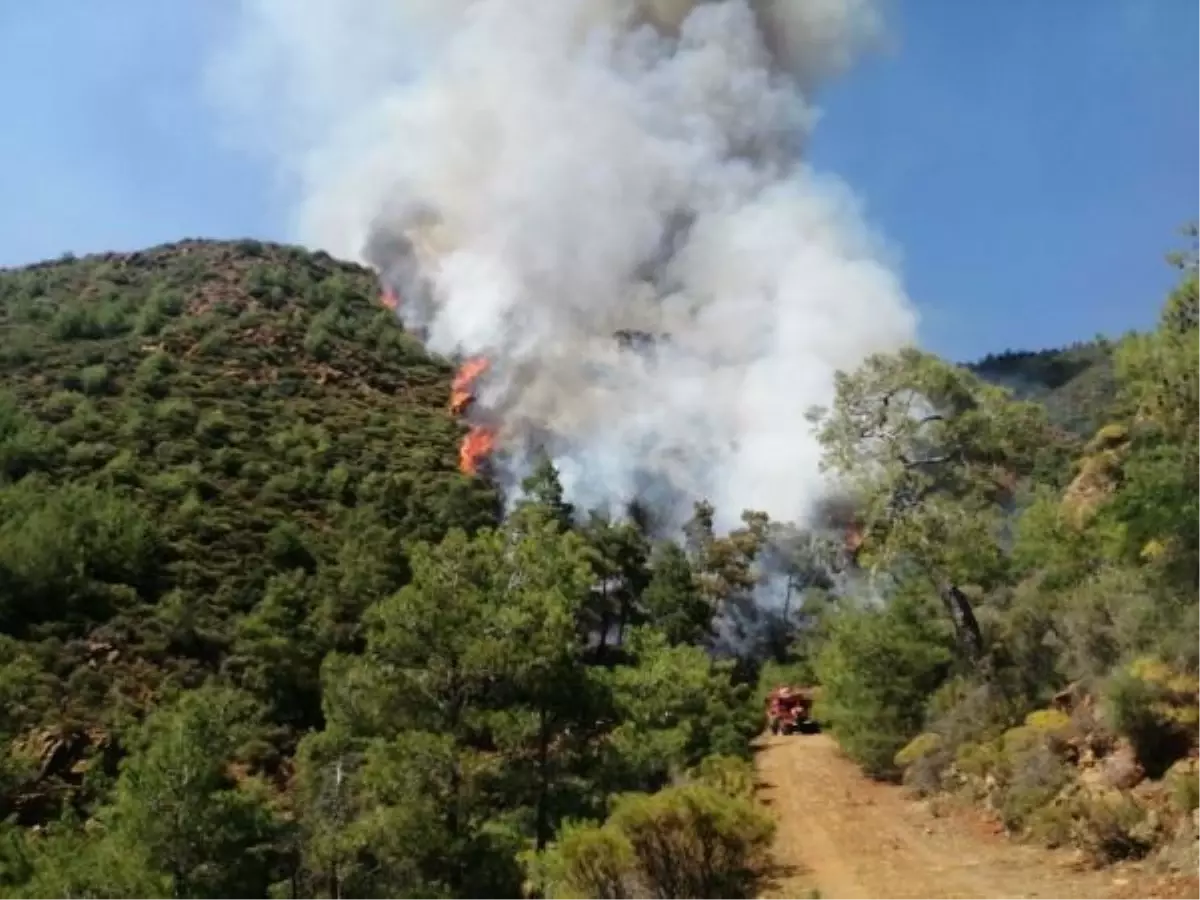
854,537
476,447
462,391
389,299
480,441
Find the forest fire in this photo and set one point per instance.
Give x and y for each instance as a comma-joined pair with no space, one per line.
476,447
462,390
389,299
855,536
479,443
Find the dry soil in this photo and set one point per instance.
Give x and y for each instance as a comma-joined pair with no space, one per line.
841,834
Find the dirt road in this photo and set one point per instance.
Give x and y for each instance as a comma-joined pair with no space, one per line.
843,835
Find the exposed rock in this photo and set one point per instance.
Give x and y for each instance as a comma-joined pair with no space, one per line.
1121,769
1150,830
1069,697
1087,492
1099,473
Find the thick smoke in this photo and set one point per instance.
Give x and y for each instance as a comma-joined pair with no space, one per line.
534,177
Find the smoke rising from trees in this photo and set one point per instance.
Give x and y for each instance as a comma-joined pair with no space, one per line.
531,178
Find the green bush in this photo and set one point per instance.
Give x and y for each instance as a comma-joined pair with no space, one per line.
1035,776
64,551
1156,709
1183,781
94,380
876,671
1111,826
76,322
688,841
731,775
586,861
1053,824
979,760
919,747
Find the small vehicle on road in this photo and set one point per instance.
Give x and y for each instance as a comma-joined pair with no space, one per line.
789,709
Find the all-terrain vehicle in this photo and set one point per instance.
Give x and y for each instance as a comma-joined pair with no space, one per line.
789,709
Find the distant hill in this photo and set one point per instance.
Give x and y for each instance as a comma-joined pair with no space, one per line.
1076,384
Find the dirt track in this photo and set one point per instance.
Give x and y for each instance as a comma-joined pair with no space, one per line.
843,835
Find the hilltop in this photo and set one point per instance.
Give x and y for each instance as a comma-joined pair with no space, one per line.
1076,384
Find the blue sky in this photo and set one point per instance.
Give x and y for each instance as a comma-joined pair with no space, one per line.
1029,160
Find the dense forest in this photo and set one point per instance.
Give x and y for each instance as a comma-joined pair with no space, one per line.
261,637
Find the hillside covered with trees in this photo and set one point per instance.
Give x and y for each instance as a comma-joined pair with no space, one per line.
1077,385
260,636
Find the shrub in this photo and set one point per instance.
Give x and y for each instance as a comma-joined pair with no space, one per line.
1109,616
695,841
1035,777
177,414
876,670
979,760
731,775
152,374
318,341
924,760
24,444
1186,792
1183,782
1053,824
919,747
76,322
1052,721
586,861
1111,826
688,841
1156,709
94,380
61,405
971,715
63,550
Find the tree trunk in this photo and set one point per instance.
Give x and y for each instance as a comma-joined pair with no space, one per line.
966,626
602,645
605,623
543,812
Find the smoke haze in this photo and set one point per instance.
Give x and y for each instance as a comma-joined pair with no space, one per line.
533,176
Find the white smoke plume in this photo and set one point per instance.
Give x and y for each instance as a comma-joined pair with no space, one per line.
534,176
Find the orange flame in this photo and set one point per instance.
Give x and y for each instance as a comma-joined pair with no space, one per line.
461,391
476,447
855,536
389,299
481,440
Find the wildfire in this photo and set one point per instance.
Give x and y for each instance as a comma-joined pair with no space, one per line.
481,440
389,299
476,447
855,536
462,390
